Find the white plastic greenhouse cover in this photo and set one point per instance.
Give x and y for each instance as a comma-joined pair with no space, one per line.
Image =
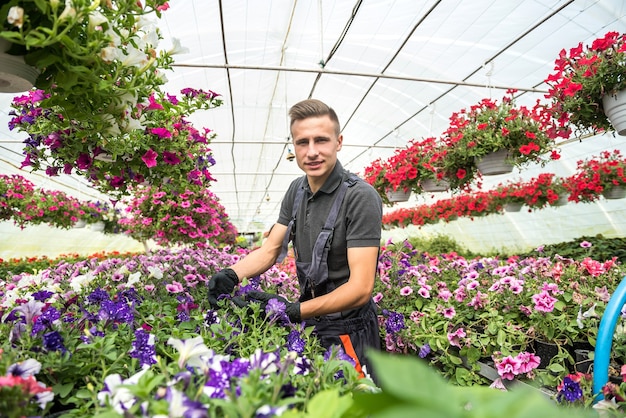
393,71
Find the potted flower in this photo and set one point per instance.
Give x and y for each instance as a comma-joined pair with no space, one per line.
193,216
98,109
597,176
583,78
521,135
155,144
95,58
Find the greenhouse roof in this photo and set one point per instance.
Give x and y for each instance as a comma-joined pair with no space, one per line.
393,71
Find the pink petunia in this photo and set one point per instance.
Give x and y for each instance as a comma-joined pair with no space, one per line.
149,158
454,338
161,132
527,361
406,290
170,158
508,368
174,287
544,302
153,104
449,312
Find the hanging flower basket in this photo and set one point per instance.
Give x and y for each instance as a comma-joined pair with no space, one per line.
432,185
615,110
398,195
494,163
616,192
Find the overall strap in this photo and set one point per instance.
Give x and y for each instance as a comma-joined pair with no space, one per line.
318,270
289,234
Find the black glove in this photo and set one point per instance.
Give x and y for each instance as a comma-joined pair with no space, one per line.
224,281
292,309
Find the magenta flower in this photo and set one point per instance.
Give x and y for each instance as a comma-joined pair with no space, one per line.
161,132
406,290
508,368
544,302
170,158
527,361
153,104
150,158
83,162
117,182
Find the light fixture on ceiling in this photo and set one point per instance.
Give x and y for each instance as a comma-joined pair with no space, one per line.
267,197
290,155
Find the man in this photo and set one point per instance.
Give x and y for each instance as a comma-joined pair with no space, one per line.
334,220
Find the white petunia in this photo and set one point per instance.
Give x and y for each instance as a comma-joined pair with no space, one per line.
155,272
16,16
134,57
81,281
96,19
191,351
133,278
177,47
116,395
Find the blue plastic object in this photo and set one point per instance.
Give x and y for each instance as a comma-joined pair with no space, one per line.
605,339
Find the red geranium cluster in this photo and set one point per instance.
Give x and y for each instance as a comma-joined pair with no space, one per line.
596,175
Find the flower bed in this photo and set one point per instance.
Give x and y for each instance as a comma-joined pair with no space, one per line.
93,326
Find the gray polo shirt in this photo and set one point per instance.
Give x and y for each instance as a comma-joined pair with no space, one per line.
358,223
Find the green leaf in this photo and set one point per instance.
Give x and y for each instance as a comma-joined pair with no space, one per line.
329,404
83,394
398,379
63,390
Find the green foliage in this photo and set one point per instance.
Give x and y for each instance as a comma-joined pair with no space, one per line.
411,388
439,244
601,249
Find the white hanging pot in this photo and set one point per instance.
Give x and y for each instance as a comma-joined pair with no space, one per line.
615,192
494,163
513,206
398,195
80,223
15,75
432,185
97,226
615,110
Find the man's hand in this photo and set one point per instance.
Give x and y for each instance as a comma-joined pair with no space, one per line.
292,309
222,282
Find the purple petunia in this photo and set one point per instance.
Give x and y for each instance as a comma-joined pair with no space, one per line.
424,350
143,348
295,342
45,320
53,341
571,390
395,322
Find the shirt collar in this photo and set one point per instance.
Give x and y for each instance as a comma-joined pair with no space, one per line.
334,180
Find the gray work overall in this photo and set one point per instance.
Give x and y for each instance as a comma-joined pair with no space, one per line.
353,334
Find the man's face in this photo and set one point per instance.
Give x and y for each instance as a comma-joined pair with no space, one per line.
316,145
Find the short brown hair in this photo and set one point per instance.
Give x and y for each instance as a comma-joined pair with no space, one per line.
312,108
